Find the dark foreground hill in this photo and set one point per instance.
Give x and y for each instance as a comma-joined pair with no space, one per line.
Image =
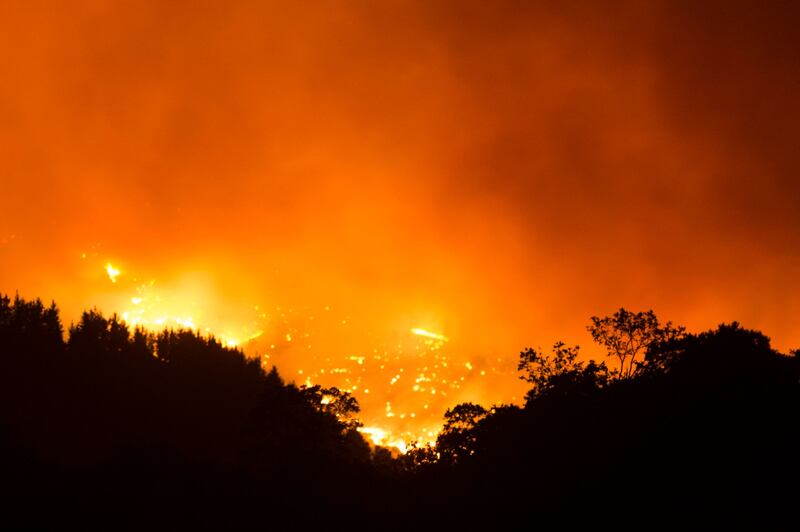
124,429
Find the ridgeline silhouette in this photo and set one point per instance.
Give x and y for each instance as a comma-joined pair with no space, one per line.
130,429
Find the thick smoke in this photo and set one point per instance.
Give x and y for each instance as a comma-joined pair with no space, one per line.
501,170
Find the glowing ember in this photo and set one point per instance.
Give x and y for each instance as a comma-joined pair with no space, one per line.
428,334
112,272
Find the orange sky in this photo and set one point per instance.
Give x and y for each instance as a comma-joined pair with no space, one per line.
495,171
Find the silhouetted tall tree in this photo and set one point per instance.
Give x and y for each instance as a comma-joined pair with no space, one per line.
627,335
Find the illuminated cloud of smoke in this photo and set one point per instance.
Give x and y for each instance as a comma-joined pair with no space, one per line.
496,172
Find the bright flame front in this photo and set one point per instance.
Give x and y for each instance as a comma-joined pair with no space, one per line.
404,382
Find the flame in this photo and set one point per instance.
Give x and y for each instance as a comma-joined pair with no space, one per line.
174,307
428,334
112,272
381,437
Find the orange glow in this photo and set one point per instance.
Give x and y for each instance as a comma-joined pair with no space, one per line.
179,306
415,372
395,198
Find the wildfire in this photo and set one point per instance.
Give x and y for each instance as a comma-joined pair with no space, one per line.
155,308
403,384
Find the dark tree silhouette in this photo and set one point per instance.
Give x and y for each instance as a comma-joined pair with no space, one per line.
29,330
626,335
560,373
172,420
129,429
456,441
709,431
333,401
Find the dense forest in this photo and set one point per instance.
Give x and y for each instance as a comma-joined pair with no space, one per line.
118,428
